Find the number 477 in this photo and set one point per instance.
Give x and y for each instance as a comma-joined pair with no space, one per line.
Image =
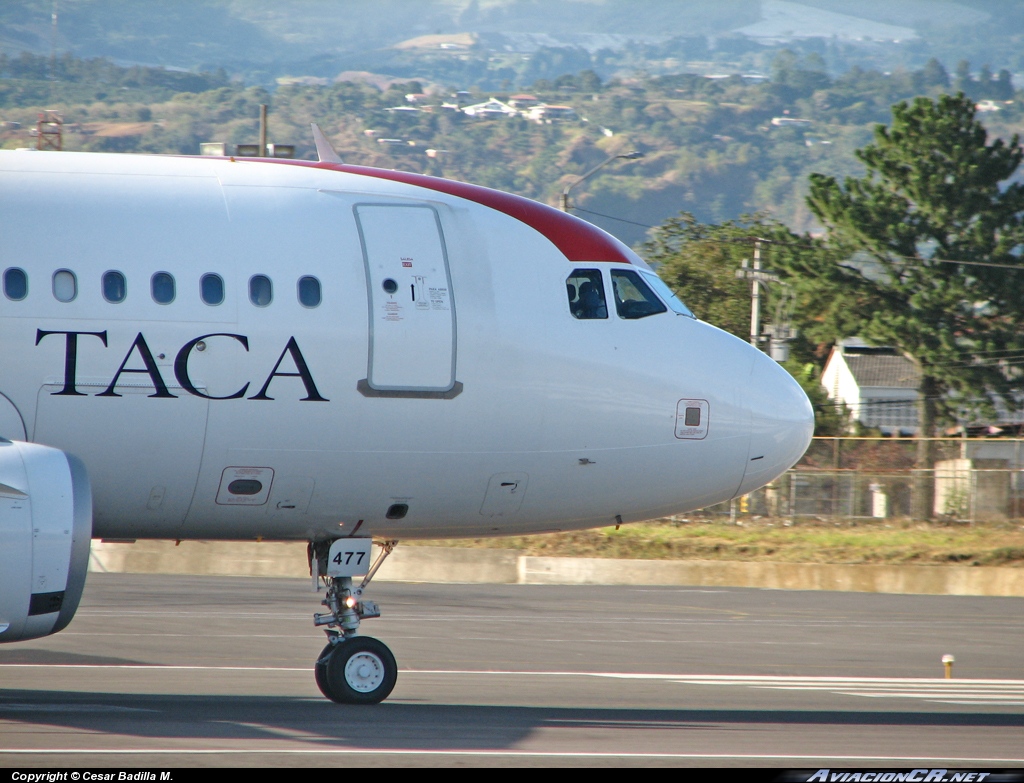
345,558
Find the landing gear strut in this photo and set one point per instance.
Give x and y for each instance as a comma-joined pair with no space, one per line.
351,669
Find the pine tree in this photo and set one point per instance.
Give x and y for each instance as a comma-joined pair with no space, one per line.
963,82
934,75
933,205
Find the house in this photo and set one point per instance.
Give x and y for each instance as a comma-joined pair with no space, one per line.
877,385
548,114
491,108
523,101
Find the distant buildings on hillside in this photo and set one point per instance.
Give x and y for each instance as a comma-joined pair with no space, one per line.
528,106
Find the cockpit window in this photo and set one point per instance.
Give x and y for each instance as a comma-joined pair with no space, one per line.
633,298
585,290
667,294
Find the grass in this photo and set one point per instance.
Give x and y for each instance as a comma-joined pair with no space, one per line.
878,542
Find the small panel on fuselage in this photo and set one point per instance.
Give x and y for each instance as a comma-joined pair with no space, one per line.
692,419
245,486
505,493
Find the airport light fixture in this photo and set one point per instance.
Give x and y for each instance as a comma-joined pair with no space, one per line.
625,156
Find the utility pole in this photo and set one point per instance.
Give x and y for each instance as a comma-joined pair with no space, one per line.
757,277
755,298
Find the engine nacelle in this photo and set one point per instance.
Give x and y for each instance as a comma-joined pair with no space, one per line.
45,531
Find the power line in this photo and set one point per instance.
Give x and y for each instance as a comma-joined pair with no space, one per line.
809,246
612,217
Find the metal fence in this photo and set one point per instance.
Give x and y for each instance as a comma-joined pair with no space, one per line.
974,480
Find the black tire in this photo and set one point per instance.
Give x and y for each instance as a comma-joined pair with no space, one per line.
320,670
361,670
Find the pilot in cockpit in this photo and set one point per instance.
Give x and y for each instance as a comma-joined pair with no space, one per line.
590,304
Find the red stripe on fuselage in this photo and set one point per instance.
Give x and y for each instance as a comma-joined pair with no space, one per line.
578,240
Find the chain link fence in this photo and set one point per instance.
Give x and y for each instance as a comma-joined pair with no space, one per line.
974,480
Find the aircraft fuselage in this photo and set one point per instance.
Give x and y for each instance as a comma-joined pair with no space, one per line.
382,357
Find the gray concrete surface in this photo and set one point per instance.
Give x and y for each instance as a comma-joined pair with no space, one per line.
497,566
189,671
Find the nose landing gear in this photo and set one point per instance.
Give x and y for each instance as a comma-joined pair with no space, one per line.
351,669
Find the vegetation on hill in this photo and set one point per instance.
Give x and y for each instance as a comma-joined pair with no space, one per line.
716,148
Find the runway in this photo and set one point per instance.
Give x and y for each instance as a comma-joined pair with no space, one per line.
164,671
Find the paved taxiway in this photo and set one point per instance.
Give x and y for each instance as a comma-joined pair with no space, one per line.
189,671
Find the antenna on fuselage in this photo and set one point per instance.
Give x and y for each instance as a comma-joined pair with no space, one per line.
324,151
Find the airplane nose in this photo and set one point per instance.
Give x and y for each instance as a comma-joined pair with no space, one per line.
781,423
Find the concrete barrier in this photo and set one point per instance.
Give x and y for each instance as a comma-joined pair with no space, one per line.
249,558
505,566
926,580
211,558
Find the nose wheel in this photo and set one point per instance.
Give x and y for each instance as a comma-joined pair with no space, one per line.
357,670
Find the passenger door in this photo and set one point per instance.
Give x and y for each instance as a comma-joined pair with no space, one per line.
412,329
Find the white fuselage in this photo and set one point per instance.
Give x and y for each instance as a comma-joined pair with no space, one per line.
469,401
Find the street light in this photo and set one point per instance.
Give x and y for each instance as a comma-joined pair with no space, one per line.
565,193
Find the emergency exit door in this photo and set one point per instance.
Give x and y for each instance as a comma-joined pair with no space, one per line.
412,312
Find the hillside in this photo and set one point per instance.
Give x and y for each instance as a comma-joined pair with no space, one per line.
260,40
716,147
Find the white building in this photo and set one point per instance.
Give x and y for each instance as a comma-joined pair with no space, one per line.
491,108
547,114
877,385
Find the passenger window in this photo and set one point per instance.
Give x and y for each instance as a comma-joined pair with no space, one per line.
65,285
15,284
633,298
261,292
115,287
585,290
162,286
211,289
309,292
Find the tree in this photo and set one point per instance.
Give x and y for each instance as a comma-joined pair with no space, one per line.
699,262
963,82
934,74
933,205
1003,89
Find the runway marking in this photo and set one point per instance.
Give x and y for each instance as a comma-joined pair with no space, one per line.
789,682
158,666
974,692
941,691
944,760
63,708
734,616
